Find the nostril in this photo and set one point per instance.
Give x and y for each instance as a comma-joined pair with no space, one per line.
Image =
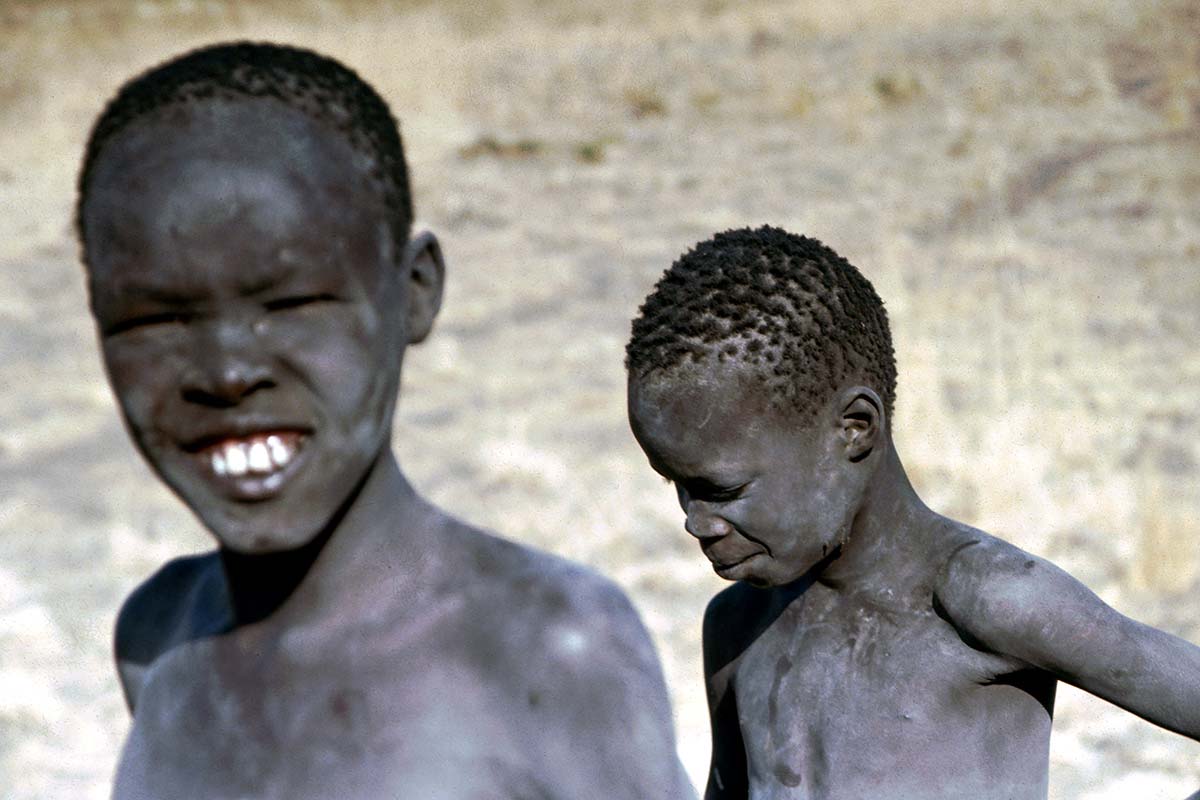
222,395
706,526
226,388
204,397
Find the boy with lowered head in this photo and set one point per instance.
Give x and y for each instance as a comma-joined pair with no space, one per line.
244,214
870,647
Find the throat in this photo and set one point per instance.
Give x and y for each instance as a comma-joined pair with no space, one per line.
259,584
380,533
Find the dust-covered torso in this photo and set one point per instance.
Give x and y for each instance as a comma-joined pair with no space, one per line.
463,693
849,697
361,718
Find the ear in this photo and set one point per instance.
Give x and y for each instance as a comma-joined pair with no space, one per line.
426,274
860,421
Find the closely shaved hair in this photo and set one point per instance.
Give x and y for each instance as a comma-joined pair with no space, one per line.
801,317
323,89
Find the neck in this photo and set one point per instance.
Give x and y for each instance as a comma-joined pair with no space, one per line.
885,554
259,584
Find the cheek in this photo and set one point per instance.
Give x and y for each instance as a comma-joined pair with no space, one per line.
143,377
811,516
349,360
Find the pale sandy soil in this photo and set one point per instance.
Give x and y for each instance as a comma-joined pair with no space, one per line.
1020,180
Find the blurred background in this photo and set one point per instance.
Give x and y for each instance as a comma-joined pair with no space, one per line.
1019,179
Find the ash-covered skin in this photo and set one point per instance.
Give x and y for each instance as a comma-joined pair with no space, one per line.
766,500
346,639
871,647
243,289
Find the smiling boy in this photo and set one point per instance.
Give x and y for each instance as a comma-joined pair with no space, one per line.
870,648
245,219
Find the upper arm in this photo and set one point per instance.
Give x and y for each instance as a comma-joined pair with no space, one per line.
727,777
178,603
1024,607
136,640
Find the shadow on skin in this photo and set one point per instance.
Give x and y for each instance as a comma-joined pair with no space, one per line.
764,606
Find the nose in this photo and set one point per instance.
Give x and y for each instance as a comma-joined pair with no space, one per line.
703,523
228,365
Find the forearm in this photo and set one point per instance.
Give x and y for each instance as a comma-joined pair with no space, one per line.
1154,675
1167,692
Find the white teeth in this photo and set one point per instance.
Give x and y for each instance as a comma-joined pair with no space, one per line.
260,458
236,459
281,454
257,455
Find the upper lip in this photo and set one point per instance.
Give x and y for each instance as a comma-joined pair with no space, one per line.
239,429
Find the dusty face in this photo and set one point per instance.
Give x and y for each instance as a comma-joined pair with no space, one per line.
767,496
245,285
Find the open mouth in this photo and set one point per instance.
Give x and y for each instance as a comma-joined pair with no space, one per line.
254,466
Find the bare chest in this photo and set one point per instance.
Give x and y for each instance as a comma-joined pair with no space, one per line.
869,702
220,722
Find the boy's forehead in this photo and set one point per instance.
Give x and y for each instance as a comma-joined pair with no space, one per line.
185,179
706,375
238,131
699,388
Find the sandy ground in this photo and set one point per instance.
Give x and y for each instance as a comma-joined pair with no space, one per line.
1020,181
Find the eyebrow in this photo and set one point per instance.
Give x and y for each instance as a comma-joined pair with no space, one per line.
252,282
255,282
703,481
157,294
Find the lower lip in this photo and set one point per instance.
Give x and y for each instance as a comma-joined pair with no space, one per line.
729,571
252,488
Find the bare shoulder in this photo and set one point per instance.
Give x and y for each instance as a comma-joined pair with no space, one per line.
567,606
182,601
1021,606
1010,601
571,650
733,619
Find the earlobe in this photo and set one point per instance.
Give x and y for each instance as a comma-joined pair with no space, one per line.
861,421
426,275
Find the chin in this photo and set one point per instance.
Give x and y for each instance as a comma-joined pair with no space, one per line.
275,525
251,543
259,544
760,578
261,536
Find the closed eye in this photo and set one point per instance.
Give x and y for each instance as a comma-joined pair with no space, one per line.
296,301
146,321
723,495
712,493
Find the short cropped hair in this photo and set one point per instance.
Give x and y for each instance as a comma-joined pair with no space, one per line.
320,87
799,315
